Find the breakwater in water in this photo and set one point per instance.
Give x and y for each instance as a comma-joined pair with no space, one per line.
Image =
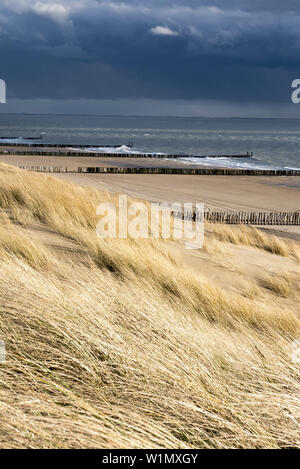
64,150
52,145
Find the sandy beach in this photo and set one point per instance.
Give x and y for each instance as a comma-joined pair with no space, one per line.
216,192
222,193
72,162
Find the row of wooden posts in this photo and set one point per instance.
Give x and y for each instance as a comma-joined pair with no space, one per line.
232,218
53,145
76,153
45,169
244,218
74,150
191,171
153,170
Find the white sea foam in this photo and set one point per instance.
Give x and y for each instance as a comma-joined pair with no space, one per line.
122,149
14,140
240,163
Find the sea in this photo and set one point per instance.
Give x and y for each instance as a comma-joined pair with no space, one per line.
275,143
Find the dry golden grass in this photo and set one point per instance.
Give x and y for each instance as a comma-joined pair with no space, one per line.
251,236
14,241
252,292
130,349
216,247
280,284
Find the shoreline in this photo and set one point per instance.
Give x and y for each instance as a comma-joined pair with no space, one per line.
87,152
112,161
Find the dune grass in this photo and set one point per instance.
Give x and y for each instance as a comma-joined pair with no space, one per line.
14,241
280,284
251,236
130,349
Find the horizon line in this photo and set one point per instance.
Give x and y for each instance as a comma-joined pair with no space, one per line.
142,115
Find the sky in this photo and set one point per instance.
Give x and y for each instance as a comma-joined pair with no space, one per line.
172,57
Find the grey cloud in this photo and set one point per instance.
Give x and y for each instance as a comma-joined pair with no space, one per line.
236,51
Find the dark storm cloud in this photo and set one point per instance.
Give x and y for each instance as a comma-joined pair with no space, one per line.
223,50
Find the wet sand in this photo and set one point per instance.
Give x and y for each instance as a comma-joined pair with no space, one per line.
72,163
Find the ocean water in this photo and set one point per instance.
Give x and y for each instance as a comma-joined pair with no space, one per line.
274,142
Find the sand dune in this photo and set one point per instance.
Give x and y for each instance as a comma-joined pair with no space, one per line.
127,344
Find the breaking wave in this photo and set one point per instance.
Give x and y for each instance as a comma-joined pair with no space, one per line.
227,162
122,149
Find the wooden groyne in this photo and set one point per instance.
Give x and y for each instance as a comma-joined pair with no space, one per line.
191,171
52,145
254,218
16,138
45,169
226,217
183,171
66,153
43,150
244,218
